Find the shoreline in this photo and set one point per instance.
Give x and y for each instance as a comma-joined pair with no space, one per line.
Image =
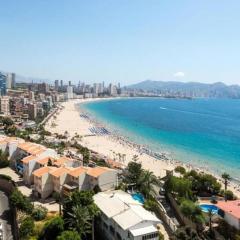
97,137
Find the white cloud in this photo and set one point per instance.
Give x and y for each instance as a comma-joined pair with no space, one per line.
179,74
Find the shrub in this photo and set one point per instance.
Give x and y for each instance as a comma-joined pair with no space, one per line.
150,205
52,229
180,169
69,235
229,195
4,163
5,177
39,213
26,228
18,200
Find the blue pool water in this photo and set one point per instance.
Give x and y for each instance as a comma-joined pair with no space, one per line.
139,197
206,207
204,132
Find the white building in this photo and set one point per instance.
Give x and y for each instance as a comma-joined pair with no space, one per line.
230,211
69,92
5,106
112,90
10,80
124,218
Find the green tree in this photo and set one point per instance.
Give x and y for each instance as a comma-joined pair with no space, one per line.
133,173
26,228
229,195
69,235
80,220
18,200
191,211
7,121
210,216
80,202
4,162
180,170
146,183
226,178
150,205
180,186
52,229
39,213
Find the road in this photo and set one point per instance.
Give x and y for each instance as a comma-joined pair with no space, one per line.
5,217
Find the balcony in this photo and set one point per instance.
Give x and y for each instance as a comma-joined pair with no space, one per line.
68,188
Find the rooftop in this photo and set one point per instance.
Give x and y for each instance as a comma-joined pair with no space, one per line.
28,159
41,171
76,172
231,207
124,210
31,148
45,160
97,171
60,171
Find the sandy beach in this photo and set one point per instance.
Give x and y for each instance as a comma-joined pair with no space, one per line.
72,120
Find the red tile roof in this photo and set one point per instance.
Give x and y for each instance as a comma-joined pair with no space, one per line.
231,207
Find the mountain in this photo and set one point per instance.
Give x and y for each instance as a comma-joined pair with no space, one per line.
21,79
190,89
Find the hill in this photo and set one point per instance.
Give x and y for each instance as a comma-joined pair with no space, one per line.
190,89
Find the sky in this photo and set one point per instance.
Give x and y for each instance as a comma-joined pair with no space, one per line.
124,41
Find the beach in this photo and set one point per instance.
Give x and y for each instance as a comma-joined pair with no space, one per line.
115,147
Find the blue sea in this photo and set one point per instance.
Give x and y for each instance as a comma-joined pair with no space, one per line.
203,132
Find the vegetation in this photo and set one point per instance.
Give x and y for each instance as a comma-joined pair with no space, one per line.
79,211
84,151
52,229
228,231
39,213
180,186
69,235
4,162
186,233
6,177
26,228
151,205
192,211
180,170
226,178
229,195
18,200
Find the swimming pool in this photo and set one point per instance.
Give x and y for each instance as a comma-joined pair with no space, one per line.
207,207
138,197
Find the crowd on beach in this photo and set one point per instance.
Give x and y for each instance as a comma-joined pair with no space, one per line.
99,129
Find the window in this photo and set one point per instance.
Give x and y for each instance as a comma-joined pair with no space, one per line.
150,236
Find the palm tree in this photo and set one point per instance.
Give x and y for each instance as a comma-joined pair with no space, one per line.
226,178
146,183
80,220
210,215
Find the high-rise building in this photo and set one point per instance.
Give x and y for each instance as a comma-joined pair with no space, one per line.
112,89
31,95
69,92
3,82
43,87
96,88
61,84
10,80
5,106
32,111
56,86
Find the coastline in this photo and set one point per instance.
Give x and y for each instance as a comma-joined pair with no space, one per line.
74,120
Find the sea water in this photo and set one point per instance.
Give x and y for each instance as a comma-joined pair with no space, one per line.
204,132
